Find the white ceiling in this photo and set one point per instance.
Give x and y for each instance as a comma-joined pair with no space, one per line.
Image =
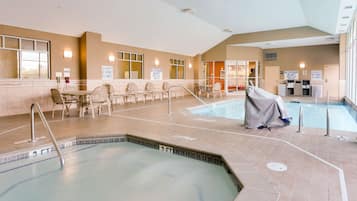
245,16
160,24
149,24
311,41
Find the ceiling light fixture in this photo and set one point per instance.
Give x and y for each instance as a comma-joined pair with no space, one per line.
187,10
227,30
343,24
345,17
348,7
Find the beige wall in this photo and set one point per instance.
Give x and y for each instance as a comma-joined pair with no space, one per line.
58,44
97,53
244,53
314,57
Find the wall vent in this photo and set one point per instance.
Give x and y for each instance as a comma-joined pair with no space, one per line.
270,56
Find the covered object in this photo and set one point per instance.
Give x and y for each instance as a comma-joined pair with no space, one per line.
264,109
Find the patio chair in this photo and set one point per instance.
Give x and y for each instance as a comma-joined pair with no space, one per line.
133,93
59,100
165,90
113,96
98,98
216,90
152,92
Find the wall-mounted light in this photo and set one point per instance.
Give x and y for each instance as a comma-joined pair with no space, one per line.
157,62
302,65
189,65
111,58
67,54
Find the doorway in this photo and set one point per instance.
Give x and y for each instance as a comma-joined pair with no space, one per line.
272,78
331,77
238,74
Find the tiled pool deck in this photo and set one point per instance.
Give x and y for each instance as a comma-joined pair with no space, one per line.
313,160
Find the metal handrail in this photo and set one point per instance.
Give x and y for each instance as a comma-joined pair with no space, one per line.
45,124
189,91
327,116
301,120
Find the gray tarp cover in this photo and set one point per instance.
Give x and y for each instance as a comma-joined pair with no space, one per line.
264,109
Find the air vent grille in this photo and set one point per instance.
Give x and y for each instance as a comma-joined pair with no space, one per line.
270,56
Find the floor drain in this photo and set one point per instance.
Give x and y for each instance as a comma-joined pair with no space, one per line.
278,167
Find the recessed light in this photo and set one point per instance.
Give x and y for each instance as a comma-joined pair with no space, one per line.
187,10
348,7
343,24
345,17
227,30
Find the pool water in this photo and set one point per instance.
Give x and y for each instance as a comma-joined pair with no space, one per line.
314,114
115,172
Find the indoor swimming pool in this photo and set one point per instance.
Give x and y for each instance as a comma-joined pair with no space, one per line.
342,117
113,172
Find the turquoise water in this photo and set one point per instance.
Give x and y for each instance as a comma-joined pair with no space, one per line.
115,172
314,114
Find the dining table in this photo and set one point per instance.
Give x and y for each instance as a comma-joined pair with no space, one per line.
81,96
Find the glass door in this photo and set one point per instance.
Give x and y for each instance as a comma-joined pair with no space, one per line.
236,77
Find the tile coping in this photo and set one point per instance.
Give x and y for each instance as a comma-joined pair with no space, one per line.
154,144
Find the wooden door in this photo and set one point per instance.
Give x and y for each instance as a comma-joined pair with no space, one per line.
331,78
272,78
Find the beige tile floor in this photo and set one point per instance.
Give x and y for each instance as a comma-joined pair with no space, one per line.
315,162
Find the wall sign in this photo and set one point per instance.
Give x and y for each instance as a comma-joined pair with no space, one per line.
156,74
66,72
107,72
316,75
291,75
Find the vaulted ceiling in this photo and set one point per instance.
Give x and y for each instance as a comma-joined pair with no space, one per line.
161,25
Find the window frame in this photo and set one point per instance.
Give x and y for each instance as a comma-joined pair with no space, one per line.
177,65
121,57
19,51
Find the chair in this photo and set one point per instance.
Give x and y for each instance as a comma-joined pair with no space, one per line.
152,92
165,90
98,98
113,97
216,90
58,99
132,91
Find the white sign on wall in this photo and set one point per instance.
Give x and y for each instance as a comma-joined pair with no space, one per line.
316,75
156,74
66,72
291,75
107,72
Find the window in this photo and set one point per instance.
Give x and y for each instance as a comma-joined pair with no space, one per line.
34,64
130,66
24,58
177,69
351,61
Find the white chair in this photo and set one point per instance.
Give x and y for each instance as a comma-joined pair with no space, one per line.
114,97
216,90
133,93
98,98
59,100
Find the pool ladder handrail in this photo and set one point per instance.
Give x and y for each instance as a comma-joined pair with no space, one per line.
185,88
46,125
327,116
301,120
